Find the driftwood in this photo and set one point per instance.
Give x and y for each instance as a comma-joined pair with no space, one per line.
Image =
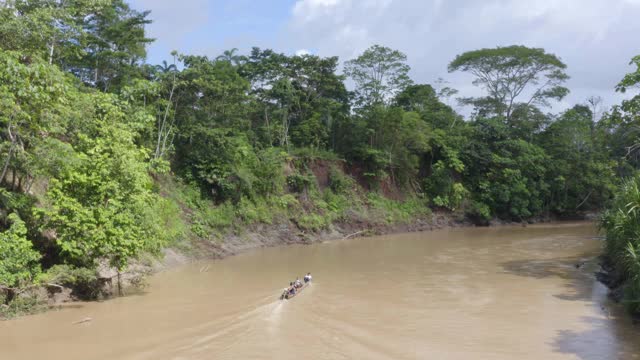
85,320
354,234
204,268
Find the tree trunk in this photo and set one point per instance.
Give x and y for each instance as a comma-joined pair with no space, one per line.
10,295
51,51
160,145
120,293
30,181
6,163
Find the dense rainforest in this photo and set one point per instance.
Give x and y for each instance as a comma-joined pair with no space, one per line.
105,158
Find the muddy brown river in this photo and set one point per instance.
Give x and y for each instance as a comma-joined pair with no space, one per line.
476,293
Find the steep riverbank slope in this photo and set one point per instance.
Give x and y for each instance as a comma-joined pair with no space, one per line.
320,200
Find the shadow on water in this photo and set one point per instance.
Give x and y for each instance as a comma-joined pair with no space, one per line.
576,271
601,341
607,337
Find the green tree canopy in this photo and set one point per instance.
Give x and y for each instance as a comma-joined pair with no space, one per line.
18,261
509,74
379,73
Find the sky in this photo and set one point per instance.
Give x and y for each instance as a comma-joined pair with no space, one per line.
595,38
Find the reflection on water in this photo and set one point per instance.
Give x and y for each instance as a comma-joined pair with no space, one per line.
501,293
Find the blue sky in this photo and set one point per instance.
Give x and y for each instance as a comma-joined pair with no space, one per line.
209,27
595,38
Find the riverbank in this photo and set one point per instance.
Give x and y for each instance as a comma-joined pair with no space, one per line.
114,283
616,283
283,234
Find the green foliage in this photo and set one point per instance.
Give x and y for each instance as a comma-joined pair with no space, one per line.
341,183
311,132
631,79
505,73
479,211
298,98
83,281
299,183
340,205
622,224
312,222
100,41
18,261
104,157
398,212
21,305
269,172
513,186
102,205
379,73
575,146
308,154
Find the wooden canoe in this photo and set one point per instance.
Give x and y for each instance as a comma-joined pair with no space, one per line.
288,296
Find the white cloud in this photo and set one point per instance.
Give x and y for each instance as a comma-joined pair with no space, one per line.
172,24
596,38
302,52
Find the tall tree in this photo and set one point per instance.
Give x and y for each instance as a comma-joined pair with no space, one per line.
232,57
511,75
379,73
165,67
574,148
115,44
50,29
100,41
631,79
19,262
299,96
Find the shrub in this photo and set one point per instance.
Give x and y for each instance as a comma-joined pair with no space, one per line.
299,183
18,261
312,222
398,211
339,182
83,281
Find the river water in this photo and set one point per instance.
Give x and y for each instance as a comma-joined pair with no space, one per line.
475,293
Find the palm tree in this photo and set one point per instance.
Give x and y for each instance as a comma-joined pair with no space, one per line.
165,68
232,57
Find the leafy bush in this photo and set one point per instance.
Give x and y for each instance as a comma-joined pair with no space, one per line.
19,264
340,182
270,179
299,183
308,154
256,211
393,212
20,306
312,222
622,224
83,281
99,205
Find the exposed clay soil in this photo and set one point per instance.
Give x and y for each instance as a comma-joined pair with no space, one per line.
287,233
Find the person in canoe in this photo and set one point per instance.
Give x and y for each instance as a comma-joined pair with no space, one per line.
307,278
298,283
288,291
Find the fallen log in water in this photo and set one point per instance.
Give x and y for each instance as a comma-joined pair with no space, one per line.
87,319
354,234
